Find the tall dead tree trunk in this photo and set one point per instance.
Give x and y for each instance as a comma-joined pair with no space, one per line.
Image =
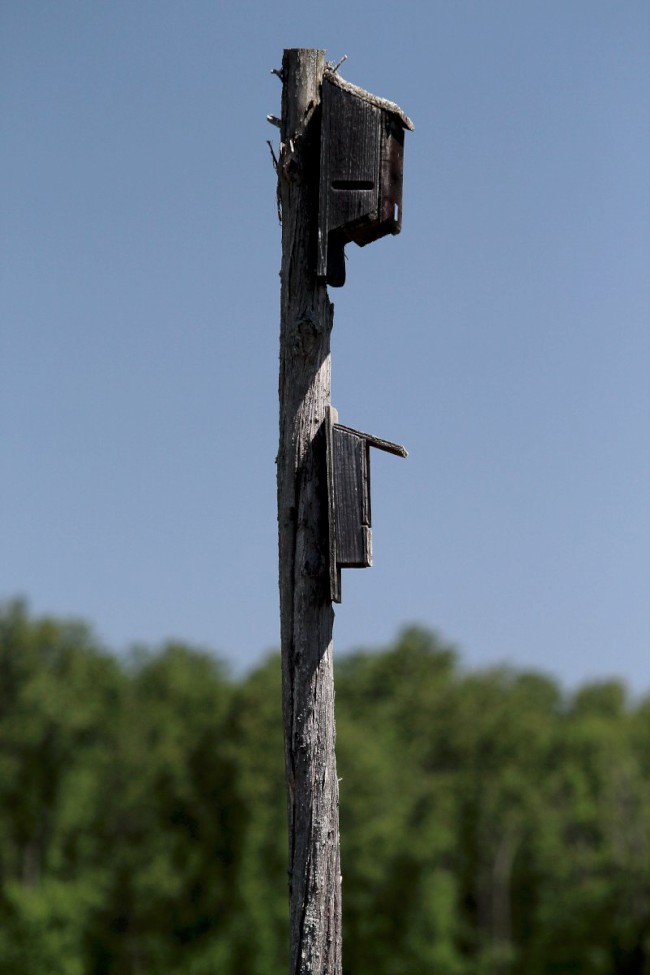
305,607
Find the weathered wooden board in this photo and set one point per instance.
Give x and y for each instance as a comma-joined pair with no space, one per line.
352,494
349,508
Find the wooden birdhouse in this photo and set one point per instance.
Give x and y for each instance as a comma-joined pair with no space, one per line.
361,166
348,488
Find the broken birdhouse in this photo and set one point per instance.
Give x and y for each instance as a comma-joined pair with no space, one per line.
348,489
361,172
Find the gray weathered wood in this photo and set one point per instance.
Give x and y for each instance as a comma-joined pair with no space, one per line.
352,494
305,606
335,568
348,488
382,103
387,445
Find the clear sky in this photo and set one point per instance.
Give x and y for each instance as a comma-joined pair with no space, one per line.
503,337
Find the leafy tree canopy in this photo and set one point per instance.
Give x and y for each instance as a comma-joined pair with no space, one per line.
490,822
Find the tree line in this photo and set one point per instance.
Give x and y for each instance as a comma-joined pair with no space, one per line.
491,824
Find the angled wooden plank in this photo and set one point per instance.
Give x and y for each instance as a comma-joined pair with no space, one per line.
387,445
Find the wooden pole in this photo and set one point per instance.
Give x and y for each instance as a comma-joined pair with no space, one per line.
305,607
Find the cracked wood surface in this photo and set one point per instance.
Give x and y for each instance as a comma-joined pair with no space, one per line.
305,608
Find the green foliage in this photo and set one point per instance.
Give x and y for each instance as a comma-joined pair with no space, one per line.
490,824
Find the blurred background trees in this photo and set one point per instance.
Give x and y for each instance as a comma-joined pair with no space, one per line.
491,824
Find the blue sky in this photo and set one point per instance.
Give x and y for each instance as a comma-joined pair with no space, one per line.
503,337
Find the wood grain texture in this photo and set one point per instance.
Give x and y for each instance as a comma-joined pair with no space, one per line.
305,608
387,445
334,567
349,497
382,103
352,499
361,172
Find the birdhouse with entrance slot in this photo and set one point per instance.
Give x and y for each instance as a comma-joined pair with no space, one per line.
361,167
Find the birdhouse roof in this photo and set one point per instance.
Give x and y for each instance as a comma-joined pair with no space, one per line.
382,103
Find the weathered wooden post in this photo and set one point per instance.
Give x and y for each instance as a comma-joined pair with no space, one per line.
339,180
306,615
